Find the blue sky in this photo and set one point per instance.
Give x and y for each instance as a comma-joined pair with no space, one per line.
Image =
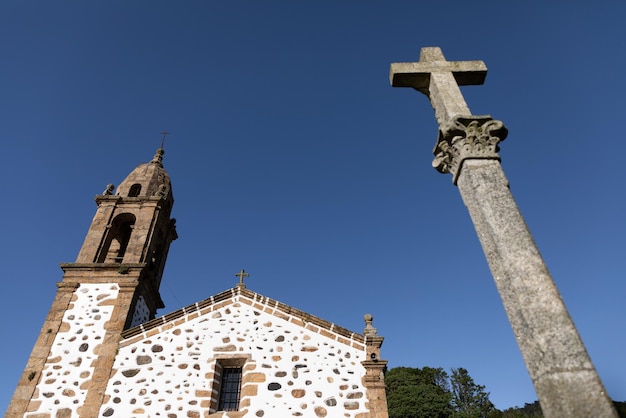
292,157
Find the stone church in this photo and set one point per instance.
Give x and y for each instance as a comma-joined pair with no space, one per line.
102,353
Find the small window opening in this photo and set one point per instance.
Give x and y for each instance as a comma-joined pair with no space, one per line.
134,191
230,389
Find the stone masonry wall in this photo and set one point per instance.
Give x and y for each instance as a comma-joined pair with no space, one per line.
62,388
290,367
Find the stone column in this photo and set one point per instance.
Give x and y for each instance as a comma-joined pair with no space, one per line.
564,377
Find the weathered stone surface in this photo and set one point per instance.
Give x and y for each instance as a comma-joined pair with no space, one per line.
320,411
354,395
255,377
564,377
298,393
439,80
249,390
64,413
229,347
562,372
144,360
130,372
462,138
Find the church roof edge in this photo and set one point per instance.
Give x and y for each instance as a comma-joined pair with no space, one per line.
270,303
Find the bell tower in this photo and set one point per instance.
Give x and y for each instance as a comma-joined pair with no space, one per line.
130,236
112,285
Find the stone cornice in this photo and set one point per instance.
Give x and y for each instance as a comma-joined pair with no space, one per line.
68,286
102,266
121,199
467,137
376,341
241,291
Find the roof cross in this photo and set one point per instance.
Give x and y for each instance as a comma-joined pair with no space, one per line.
164,133
241,276
439,80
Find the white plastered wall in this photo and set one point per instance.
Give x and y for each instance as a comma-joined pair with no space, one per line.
296,372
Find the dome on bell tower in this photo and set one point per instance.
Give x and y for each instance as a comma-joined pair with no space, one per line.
148,179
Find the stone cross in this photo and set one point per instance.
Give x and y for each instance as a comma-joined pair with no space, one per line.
564,377
241,276
439,80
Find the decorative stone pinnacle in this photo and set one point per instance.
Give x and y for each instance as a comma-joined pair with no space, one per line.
467,137
369,331
158,157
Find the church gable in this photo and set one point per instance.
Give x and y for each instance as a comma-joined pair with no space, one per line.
289,363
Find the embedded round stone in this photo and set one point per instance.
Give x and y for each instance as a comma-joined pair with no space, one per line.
298,393
320,411
130,372
331,401
143,360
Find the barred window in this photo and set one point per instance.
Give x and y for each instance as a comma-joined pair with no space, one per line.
230,389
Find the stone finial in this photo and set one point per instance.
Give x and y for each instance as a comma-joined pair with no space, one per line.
109,190
158,157
467,137
369,331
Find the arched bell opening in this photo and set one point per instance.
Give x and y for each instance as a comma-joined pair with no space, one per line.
117,239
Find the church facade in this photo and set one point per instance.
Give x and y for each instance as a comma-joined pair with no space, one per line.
103,353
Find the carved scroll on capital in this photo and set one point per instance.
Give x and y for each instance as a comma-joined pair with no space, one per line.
467,137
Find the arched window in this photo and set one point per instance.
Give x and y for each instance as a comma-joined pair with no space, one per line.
134,191
117,239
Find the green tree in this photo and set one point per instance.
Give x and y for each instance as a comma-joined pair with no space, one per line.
431,393
534,410
417,393
620,407
528,410
469,399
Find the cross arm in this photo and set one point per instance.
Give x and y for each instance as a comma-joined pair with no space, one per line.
439,80
417,74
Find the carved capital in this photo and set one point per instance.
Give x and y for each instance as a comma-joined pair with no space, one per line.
467,137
